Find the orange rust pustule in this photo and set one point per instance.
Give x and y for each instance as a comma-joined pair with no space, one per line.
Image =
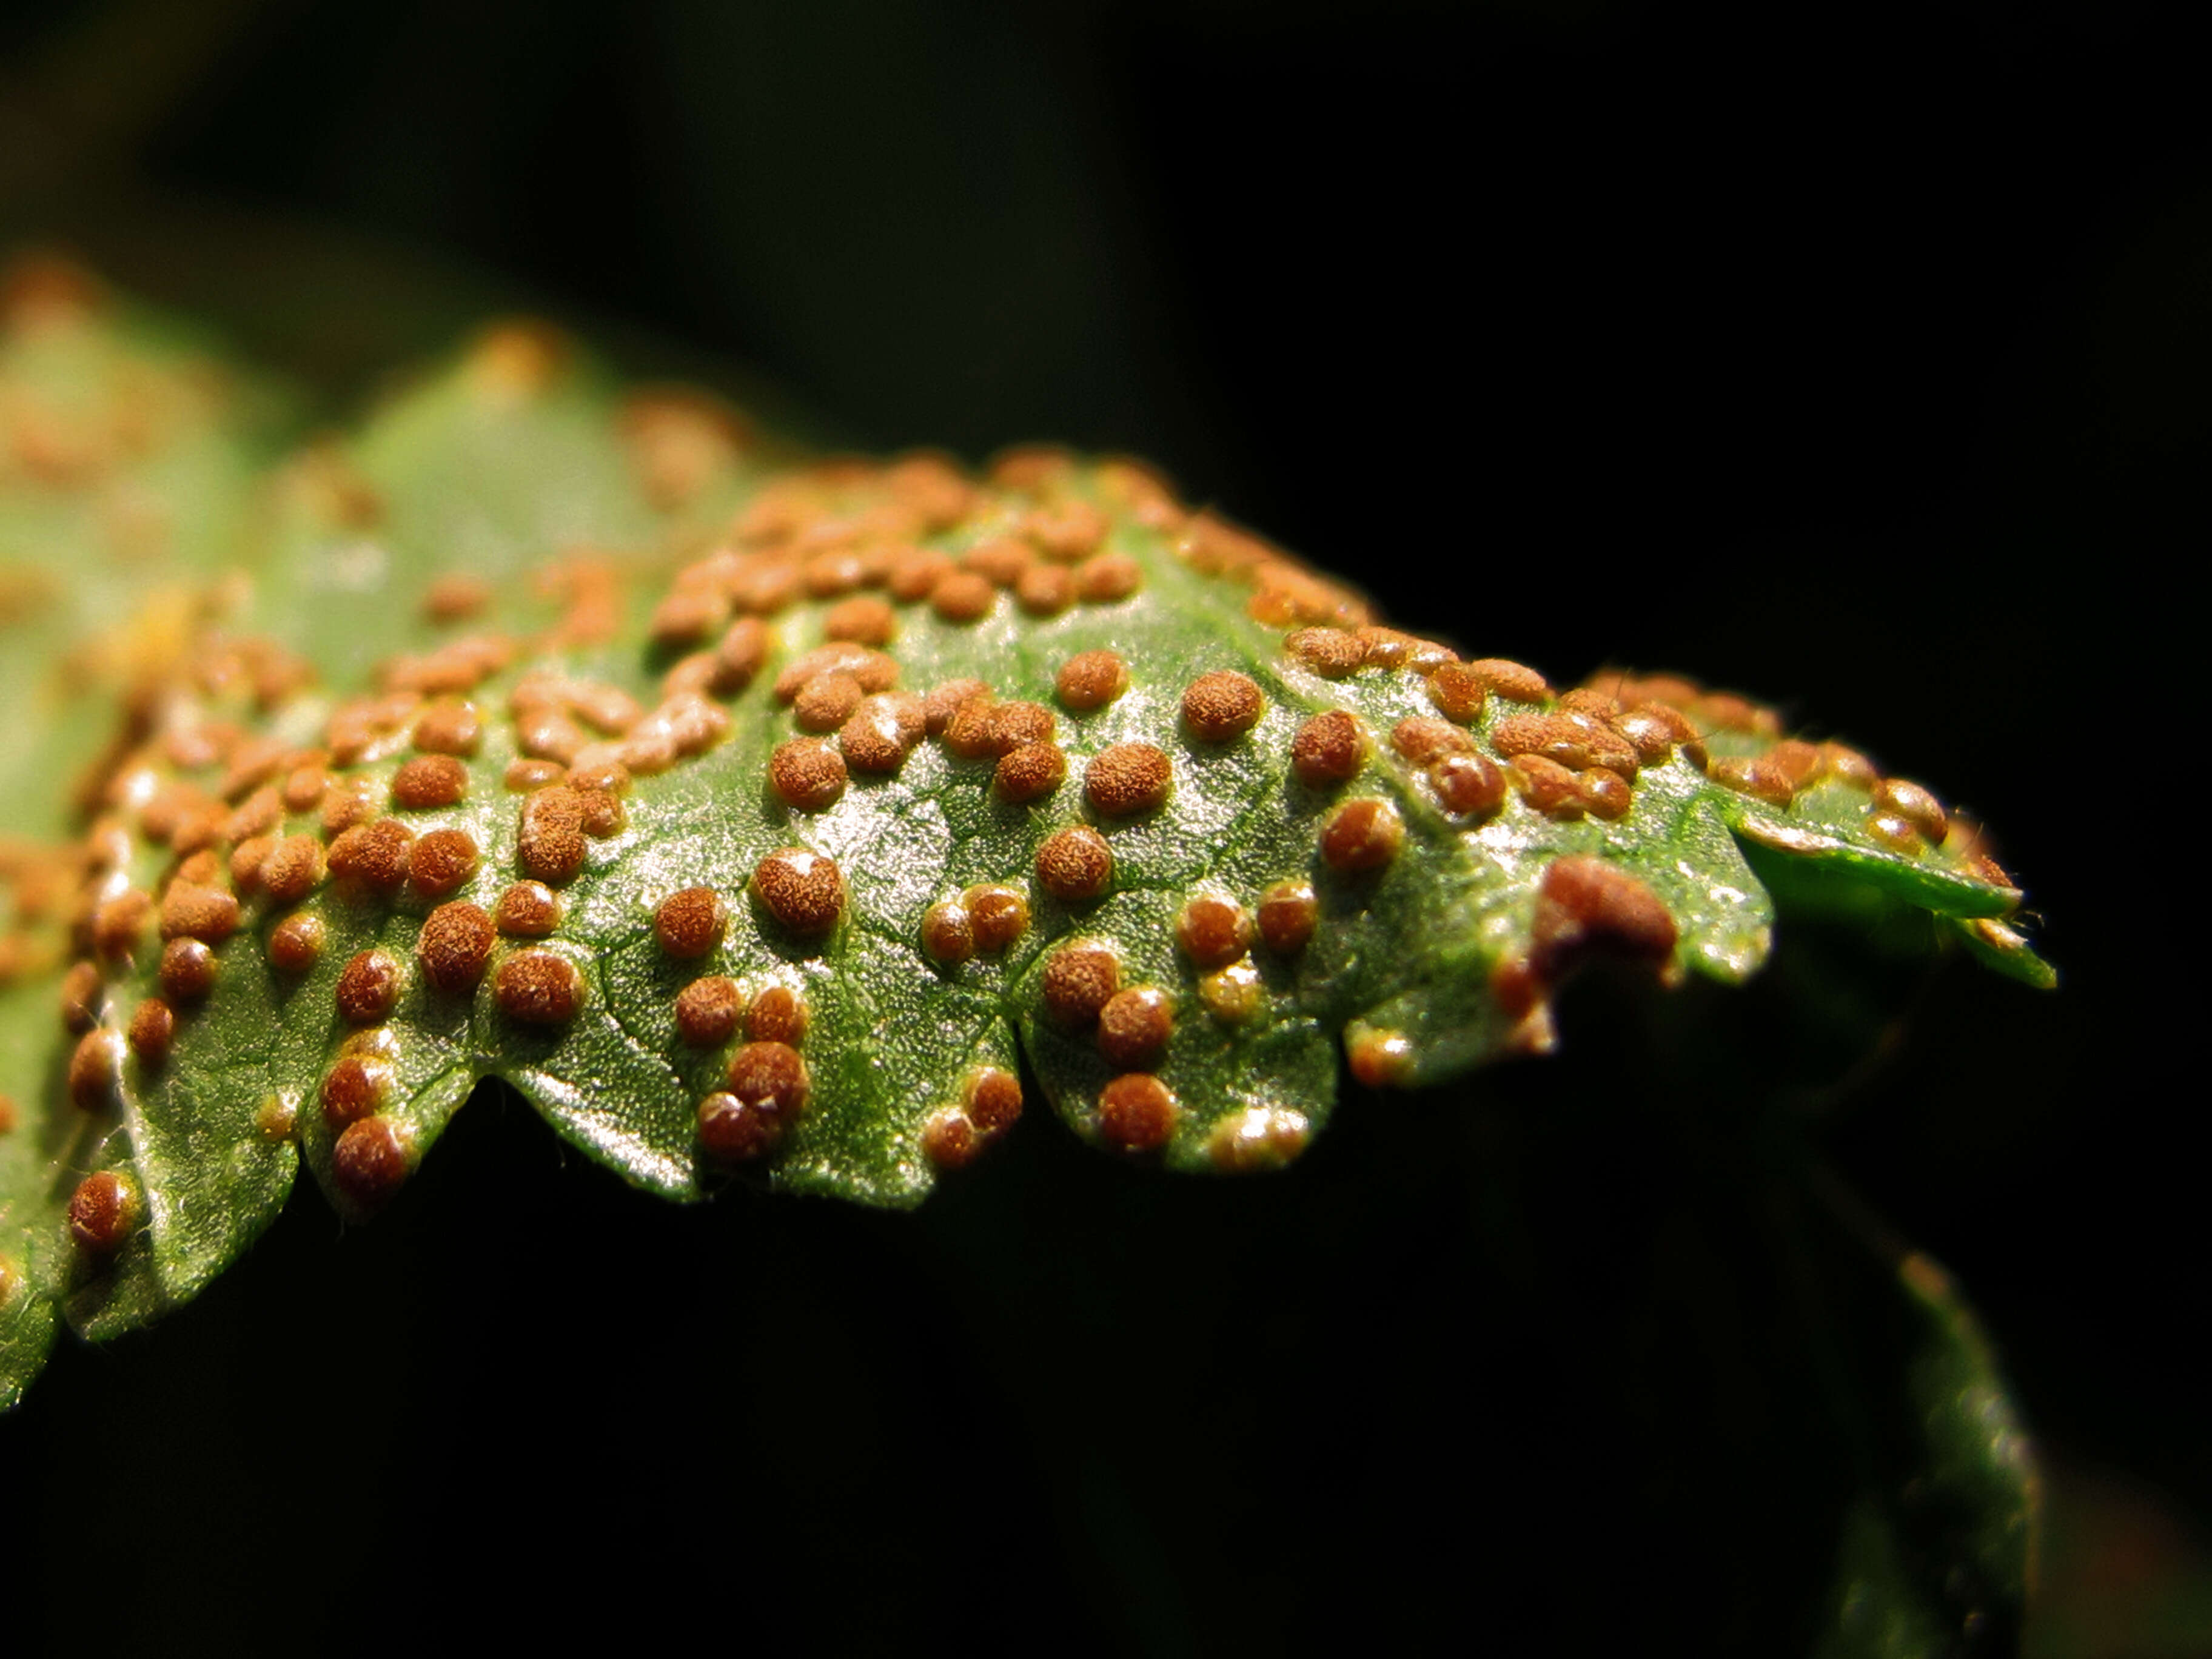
1332,652
1108,578
369,986
440,861
949,1139
187,971
1044,589
1589,700
153,1029
1030,772
200,868
1126,779
1729,711
1605,793
1067,531
1917,805
1009,725
208,914
779,1014
1587,908
456,945
1391,647
999,914
932,488
1031,468
608,709
1847,766
429,781
103,1213
296,943
369,1162
865,619
1079,980
1233,995
83,990
740,657
767,1090
690,923
1380,1058
826,702
993,1099
1221,706
1758,777
1897,834
549,842
1136,1112
1075,864
1134,1028
1801,761
92,1070
1001,560
801,890
1213,931
455,597
1257,1139
293,868
1549,787
835,570
1362,835
372,855
528,909
538,987
449,728
1328,750
353,1089
1651,733
1459,690
684,617
914,573
880,731
1514,682
963,596
734,1131
523,776
806,774
1468,787
944,702
347,804
257,815
707,1011
120,924
1422,740
969,734
948,933
1289,912
1575,742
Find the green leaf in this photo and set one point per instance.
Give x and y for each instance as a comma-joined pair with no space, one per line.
798,920
1934,1555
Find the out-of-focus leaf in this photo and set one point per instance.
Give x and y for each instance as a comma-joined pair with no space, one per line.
1936,1549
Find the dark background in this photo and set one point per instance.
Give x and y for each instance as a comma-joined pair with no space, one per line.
1857,355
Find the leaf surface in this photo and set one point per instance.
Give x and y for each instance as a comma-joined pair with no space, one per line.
777,820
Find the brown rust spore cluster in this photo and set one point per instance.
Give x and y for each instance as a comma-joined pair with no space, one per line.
989,1103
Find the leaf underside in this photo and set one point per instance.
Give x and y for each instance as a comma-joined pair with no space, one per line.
807,924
